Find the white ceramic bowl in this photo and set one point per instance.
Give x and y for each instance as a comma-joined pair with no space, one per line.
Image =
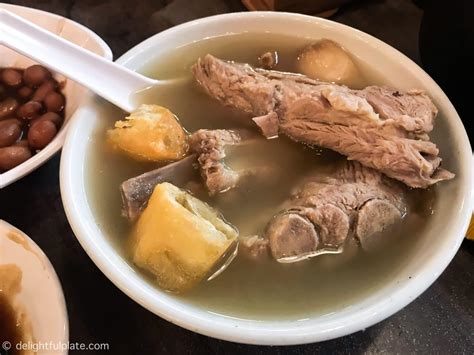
41,297
75,94
439,242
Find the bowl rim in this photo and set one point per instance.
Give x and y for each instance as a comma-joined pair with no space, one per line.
27,167
262,332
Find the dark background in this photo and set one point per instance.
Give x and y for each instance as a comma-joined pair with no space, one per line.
441,321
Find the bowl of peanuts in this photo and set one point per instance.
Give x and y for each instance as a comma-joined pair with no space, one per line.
37,104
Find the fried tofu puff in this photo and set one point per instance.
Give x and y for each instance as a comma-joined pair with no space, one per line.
179,238
150,133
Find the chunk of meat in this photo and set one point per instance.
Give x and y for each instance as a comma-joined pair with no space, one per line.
382,128
323,212
211,147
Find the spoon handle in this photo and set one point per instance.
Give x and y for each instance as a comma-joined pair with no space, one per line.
107,79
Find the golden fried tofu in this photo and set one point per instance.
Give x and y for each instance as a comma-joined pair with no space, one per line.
150,133
179,238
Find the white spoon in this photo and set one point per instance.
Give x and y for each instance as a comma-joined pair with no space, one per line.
107,79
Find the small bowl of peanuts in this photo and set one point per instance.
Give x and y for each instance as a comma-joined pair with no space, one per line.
36,104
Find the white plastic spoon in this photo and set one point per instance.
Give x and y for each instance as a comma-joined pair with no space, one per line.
107,79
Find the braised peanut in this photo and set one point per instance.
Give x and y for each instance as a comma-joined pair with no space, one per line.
11,77
41,134
25,92
13,156
10,131
54,102
8,107
44,89
36,75
29,110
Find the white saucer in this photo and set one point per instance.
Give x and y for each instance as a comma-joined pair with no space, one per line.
41,296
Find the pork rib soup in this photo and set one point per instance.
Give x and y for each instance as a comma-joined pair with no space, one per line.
230,164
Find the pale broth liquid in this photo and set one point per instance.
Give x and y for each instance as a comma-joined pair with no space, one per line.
250,289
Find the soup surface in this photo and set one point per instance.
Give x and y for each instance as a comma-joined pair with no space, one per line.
250,289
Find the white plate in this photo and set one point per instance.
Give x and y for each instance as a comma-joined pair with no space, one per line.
41,296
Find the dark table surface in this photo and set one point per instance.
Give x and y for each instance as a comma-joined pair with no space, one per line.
441,321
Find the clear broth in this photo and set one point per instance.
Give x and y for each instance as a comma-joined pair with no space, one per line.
249,289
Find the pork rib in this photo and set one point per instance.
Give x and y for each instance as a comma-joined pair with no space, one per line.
322,213
211,147
381,128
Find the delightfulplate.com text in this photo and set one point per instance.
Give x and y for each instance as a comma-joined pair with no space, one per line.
6,346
